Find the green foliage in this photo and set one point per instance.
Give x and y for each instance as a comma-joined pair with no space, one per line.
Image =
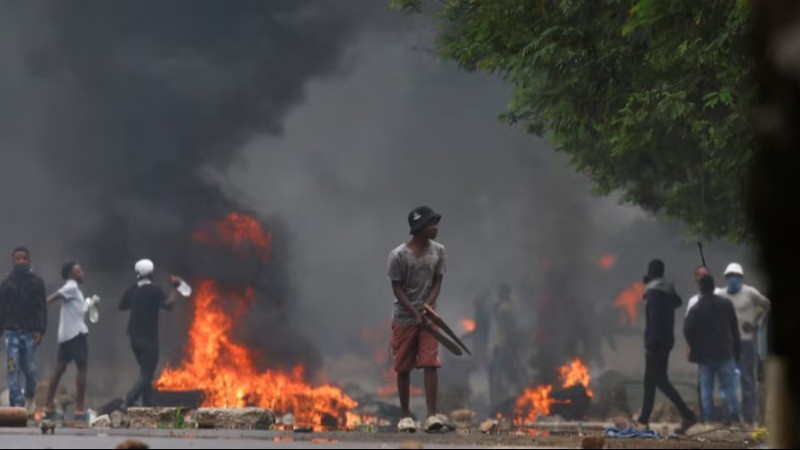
648,97
178,420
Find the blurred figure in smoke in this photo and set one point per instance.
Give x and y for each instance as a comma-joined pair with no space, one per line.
144,300
23,316
416,270
480,336
507,374
661,301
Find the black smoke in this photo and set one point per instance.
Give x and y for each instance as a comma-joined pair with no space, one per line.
136,108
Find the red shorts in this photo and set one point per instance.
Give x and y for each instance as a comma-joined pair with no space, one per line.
413,348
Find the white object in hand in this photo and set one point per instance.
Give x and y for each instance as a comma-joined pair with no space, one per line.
183,287
91,305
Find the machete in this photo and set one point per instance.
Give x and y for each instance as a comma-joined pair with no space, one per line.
448,344
435,318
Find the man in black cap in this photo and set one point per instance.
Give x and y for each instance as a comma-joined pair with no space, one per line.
416,269
661,301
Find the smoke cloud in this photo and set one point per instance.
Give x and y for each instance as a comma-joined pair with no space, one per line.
126,125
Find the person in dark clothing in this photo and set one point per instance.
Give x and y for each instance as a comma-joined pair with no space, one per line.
661,301
144,300
712,331
23,317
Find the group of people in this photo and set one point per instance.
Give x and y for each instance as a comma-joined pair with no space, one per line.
23,320
721,329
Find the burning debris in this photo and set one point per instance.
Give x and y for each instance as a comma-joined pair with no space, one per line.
542,400
226,370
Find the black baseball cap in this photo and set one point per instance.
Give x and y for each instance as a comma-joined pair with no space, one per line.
420,217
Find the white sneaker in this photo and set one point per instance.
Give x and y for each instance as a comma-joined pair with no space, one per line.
30,406
433,424
407,425
446,422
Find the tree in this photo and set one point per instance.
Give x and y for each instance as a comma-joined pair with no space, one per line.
650,98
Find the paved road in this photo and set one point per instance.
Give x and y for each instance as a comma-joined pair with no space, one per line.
97,439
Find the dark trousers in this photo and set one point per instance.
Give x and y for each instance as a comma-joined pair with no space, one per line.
747,367
146,353
655,376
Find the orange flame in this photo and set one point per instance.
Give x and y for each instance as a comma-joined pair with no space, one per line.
607,261
628,301
226,373
468,325
237,232
576,373
535,402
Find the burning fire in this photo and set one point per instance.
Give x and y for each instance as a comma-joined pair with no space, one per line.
468,325
225,370
628,301
226,373
576,373
236,232
607,261
536,401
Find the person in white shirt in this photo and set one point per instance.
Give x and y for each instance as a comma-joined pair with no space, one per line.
72,337
750,308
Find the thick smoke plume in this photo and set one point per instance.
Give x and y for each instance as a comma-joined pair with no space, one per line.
126,125
118,116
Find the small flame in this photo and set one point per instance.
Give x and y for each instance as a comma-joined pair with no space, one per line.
468,325
628,302
576,373
535,402
607,261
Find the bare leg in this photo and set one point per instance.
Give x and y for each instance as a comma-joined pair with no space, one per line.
404,391
51,390
80,402
431,389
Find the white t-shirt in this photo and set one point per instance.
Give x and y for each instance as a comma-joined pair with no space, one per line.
722,292
750,308
73,309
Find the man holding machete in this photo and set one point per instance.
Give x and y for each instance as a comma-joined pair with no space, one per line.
416,269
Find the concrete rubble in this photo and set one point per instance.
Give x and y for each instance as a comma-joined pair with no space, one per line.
153,417
235,419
